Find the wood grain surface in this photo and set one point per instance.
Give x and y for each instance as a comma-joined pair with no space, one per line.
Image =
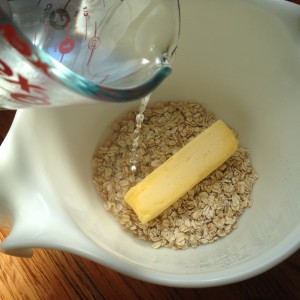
53,274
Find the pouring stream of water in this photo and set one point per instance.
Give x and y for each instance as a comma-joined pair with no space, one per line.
134,156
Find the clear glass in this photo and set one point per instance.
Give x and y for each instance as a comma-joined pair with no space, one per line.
61,52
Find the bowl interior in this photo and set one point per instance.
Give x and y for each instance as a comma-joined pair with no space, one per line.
242,61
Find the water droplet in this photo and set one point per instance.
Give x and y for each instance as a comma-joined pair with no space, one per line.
136,134
139,118
134,157
133,169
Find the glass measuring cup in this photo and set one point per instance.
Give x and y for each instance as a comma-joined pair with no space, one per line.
62,52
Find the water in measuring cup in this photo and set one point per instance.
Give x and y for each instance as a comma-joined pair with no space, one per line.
104,41
134,158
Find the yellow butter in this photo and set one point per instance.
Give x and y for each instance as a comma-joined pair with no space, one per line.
181,172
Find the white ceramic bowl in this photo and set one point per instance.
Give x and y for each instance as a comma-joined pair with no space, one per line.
239,58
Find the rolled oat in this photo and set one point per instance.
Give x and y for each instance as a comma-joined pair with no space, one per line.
207,212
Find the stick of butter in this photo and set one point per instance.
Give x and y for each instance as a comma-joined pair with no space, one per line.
182,171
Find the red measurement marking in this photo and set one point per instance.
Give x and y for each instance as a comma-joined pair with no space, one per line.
90,58
95,29
67,45
104,79
93,43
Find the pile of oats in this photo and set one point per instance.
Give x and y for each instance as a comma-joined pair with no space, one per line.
207,212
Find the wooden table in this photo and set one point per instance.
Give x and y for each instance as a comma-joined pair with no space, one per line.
53,274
